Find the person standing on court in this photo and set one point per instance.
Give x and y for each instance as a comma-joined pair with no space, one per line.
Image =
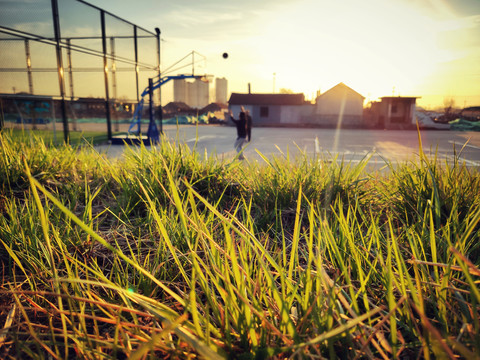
244,130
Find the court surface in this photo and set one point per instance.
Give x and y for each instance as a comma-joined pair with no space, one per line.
347,144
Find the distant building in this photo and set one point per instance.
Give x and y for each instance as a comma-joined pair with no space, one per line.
271,109
195,94
179,90
338,106
393,112
221,88
198,93
24,108
471,113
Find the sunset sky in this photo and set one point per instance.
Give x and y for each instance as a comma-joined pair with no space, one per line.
425,48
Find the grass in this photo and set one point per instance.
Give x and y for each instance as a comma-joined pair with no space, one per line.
48,136
170,254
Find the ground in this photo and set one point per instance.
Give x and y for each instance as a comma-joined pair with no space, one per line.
352,144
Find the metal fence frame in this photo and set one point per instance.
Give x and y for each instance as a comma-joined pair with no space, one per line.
63,43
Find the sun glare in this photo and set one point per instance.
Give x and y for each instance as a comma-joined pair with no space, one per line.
378,48
386,48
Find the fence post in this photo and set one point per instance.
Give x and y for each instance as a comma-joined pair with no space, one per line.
70,81
135,48
29,66
60,70
160,109
105,75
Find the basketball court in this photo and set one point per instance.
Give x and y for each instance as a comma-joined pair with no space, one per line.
352,146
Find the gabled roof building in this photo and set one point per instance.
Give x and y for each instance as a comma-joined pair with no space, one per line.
271,109
339,106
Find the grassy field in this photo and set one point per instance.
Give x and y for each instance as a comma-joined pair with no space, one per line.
49,137
168,254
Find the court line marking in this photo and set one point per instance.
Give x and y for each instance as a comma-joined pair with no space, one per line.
457,143
467,162
204,137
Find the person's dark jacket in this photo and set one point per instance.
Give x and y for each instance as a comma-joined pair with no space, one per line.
241,124
248,126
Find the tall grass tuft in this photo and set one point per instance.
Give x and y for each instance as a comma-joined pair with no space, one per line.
168,253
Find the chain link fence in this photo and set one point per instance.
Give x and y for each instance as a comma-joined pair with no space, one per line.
70,66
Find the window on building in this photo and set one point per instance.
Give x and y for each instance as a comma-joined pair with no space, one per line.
394,109
264,111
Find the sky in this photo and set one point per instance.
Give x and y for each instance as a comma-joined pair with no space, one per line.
425,48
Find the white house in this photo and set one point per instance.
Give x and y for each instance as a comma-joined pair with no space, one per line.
339,106
271,109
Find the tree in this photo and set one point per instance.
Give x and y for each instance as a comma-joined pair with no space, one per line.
448,104
285,91
449,112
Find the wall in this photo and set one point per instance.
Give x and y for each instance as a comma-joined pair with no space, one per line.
274,114
331,103
294,114
399,113
338,107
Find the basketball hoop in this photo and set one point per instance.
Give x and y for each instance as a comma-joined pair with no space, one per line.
205,78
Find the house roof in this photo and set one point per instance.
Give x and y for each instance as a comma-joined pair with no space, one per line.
213,107
400,97
25,96
266,99
342,85
176,106
91,99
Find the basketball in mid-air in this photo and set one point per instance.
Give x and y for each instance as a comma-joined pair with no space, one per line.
225,55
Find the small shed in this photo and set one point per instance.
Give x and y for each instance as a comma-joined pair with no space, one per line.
394,112
271,109
339,106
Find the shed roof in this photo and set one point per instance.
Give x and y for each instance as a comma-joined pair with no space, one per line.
25,96
266,99
342,85
400,97
472,108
